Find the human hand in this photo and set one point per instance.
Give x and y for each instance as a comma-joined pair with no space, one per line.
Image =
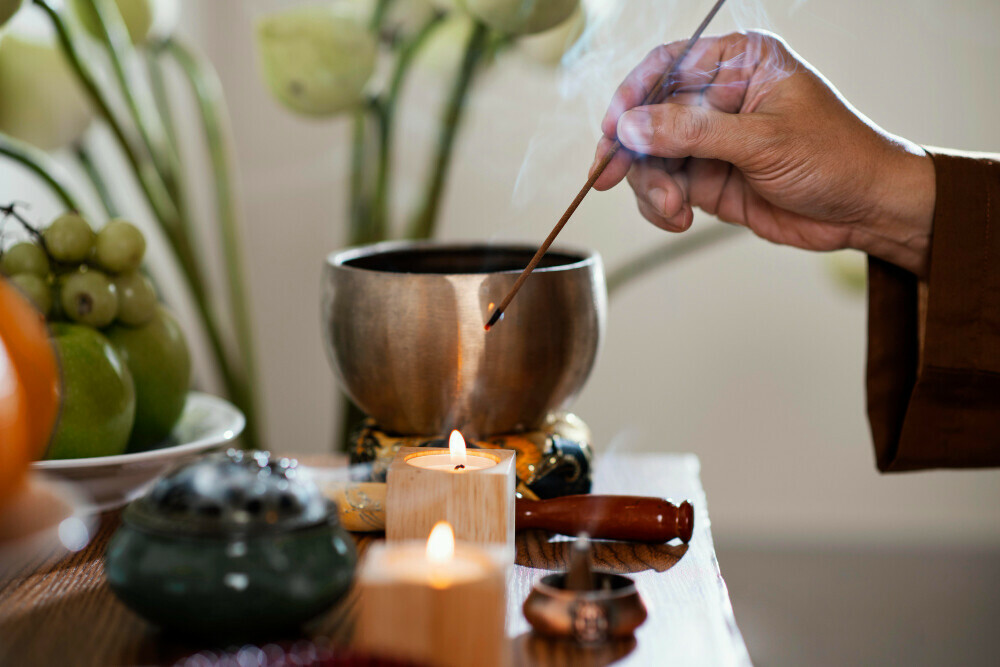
755,136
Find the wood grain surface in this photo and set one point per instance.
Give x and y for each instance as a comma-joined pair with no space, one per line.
64,614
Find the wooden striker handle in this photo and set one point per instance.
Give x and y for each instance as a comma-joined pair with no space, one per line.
631,518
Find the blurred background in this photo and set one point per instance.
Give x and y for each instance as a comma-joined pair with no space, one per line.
749,355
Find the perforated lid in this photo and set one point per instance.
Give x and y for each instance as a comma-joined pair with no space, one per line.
232,493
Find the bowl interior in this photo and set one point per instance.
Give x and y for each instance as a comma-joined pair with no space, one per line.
466,260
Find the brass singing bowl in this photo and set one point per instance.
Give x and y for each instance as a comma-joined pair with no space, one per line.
404,330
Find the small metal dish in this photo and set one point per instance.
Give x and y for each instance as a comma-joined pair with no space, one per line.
612,610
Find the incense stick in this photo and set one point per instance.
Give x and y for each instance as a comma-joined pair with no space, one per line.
664,86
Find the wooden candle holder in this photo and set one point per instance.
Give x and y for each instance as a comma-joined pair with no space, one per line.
453,624
479,504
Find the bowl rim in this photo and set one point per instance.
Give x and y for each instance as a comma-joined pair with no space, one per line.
338,258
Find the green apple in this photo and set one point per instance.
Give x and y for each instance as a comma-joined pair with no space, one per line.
316,59
98,401
157,356
521,17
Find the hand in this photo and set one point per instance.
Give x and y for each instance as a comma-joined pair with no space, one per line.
755,136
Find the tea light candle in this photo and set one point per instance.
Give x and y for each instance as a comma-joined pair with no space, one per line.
435,603
472,490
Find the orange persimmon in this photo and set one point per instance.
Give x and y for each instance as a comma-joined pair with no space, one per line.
29,387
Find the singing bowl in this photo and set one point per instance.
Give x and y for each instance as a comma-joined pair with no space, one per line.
404,327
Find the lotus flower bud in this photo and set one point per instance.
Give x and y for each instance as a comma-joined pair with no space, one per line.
316,60
143,18
443,51
521,17
549,47
8,8
41,101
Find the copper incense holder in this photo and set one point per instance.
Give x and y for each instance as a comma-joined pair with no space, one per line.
582,605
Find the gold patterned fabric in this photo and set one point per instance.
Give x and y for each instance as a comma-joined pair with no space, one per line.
554,460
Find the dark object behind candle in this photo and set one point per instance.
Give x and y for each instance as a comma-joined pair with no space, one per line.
630,518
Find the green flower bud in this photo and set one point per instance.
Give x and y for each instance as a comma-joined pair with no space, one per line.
8,8
549,47
41,101
443,51
143,18
316,60
521,17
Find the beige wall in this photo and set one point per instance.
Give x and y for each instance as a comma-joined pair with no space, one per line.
747,355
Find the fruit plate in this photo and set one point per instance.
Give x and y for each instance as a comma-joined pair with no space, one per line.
208,422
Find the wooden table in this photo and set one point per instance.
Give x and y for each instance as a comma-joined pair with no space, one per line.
64,614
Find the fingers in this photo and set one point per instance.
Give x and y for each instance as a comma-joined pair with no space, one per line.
695,75
662,197
675,130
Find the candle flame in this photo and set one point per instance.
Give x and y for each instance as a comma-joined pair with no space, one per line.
441,544
456,446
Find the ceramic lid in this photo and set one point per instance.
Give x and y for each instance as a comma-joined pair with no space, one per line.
232,493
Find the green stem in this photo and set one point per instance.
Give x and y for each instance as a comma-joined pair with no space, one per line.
149,179
358,196
115,38
41,165
668,252
386,112
422,225
158,84
96,179
207,91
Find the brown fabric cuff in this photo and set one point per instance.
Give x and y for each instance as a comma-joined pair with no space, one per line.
941,408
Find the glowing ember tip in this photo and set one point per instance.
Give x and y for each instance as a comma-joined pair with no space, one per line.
441,543
497,314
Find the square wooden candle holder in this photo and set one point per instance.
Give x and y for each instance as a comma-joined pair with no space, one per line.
454,617
478,500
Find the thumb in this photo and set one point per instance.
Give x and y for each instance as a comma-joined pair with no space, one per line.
681,130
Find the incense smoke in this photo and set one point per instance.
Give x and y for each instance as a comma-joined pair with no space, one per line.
617,37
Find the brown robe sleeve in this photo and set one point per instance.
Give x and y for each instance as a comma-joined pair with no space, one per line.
934,399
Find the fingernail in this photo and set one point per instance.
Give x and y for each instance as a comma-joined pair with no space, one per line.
635,129
658,198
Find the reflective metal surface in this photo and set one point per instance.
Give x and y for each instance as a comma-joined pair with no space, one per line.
404,330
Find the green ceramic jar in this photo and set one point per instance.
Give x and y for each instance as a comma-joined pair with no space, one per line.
231,546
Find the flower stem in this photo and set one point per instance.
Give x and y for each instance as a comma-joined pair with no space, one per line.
214,118
86,161
386,112
115,38
41,165
667,252
423,224
149,179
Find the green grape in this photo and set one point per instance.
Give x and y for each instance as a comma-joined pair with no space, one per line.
35,288
25,257
119,247
69,238
90,298
136,298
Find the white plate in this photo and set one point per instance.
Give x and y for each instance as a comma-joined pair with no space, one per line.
207,423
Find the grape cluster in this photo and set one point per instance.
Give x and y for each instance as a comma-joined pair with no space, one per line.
71,273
